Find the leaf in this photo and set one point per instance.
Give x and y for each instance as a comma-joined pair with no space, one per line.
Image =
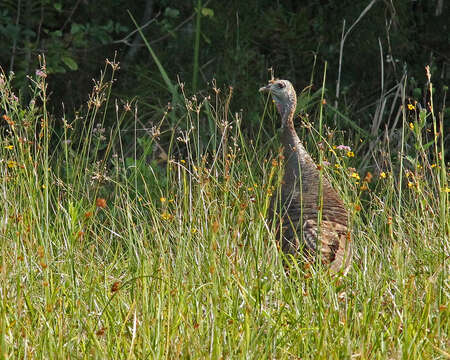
170,86
58,6
70,63
207,39
410,159
426,146
76,28
207,12
171,13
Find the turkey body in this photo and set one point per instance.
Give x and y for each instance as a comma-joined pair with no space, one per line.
302,226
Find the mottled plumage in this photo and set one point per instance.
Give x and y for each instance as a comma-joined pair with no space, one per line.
300,195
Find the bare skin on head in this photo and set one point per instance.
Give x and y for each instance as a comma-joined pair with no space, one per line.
300,191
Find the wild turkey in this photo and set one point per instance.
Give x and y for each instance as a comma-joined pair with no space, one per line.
300,195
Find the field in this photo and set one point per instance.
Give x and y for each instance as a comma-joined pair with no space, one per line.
109,252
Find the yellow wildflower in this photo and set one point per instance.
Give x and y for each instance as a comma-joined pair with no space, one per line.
411,107
355,175
166,216
383,175
410,184
337,166
11,164
9,147
162,199
350,154
411,126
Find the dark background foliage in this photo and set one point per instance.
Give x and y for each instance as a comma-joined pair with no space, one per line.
239,41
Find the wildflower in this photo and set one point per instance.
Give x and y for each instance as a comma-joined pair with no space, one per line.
101,203
337,166
344,147
357,207
411,107
166,216
446,189
162,199
410,184
9,147
350,154
87,214
193,231
8,120
433,166
41,74
383,175
368,177
101,331
355,175
364,186
115,286
411,126
183,161
11,164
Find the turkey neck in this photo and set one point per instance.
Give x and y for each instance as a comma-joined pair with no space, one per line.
294,151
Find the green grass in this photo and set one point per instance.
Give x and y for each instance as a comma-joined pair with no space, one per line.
181,263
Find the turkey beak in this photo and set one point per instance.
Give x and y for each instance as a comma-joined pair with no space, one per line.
265,88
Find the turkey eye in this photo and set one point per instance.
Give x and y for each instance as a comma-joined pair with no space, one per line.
281,85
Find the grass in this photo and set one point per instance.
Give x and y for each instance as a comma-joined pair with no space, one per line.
106,254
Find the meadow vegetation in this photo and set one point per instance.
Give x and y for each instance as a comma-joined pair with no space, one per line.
108,251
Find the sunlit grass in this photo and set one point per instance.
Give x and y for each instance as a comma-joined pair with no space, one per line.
107,254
